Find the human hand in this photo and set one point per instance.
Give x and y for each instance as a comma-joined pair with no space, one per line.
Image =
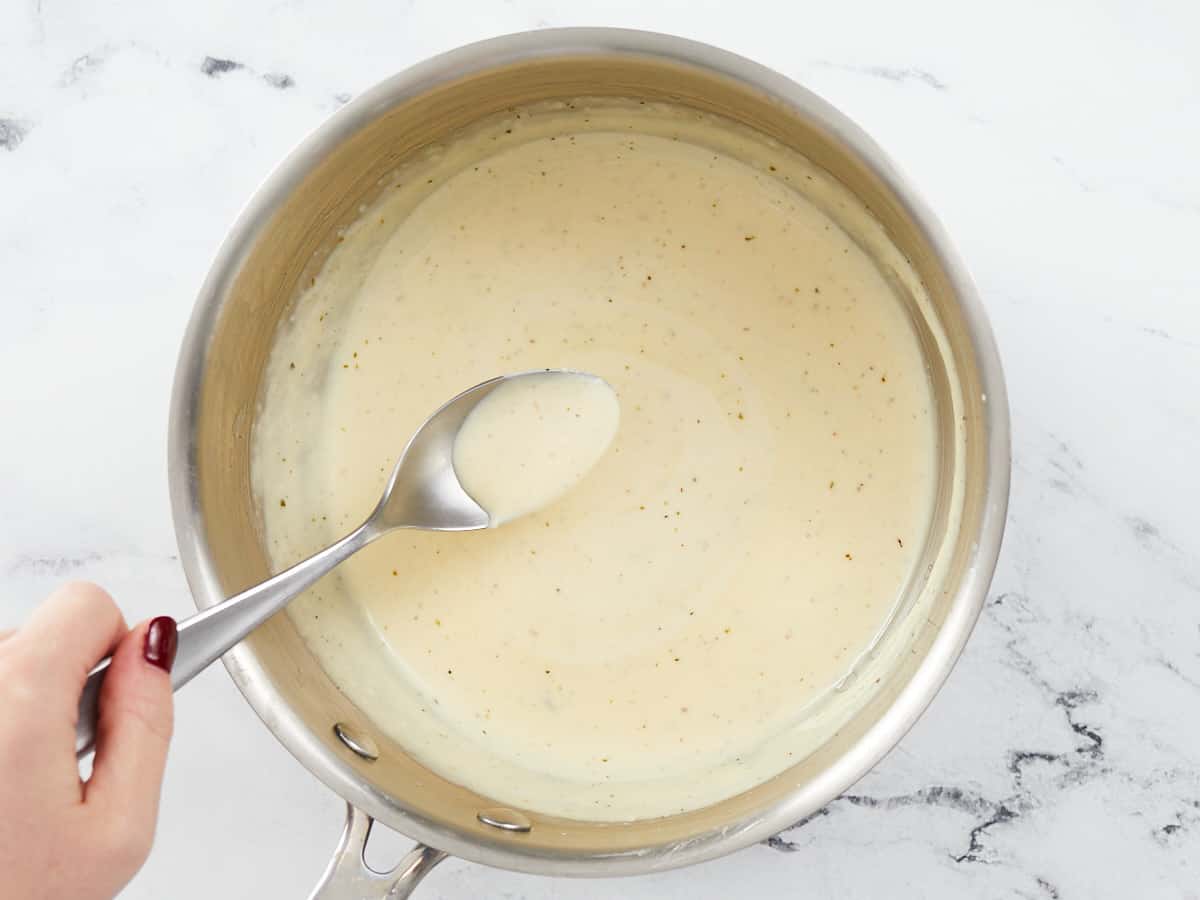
61,837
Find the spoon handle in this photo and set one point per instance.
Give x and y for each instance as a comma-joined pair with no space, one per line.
207,635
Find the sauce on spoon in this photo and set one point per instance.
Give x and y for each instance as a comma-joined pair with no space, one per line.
532,439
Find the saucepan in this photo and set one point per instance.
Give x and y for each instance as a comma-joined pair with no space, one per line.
280,242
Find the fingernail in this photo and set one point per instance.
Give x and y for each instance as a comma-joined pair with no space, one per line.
161,642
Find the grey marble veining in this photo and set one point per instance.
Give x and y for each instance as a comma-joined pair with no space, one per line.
1058,143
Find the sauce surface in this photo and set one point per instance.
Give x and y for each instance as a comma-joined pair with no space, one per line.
532,439
674,629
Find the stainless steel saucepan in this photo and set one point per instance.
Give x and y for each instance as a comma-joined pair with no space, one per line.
280,241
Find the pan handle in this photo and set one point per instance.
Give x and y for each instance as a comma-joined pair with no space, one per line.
348,876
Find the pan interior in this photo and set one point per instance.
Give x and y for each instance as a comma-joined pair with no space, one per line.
688,621
288,252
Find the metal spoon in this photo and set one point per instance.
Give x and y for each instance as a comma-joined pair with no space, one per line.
423,492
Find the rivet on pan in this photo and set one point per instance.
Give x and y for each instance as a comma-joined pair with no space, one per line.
505,820
356,740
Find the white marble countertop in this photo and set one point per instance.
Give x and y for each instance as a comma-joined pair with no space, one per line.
1058,142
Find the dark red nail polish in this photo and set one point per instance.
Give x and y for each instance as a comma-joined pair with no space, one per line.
162,639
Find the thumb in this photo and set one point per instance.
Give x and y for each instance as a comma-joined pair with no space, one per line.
135,724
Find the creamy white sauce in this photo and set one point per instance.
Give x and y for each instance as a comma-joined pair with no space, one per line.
532,439
678,627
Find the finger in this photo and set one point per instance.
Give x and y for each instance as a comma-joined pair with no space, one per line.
6,633
45,664
71,632
134,729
